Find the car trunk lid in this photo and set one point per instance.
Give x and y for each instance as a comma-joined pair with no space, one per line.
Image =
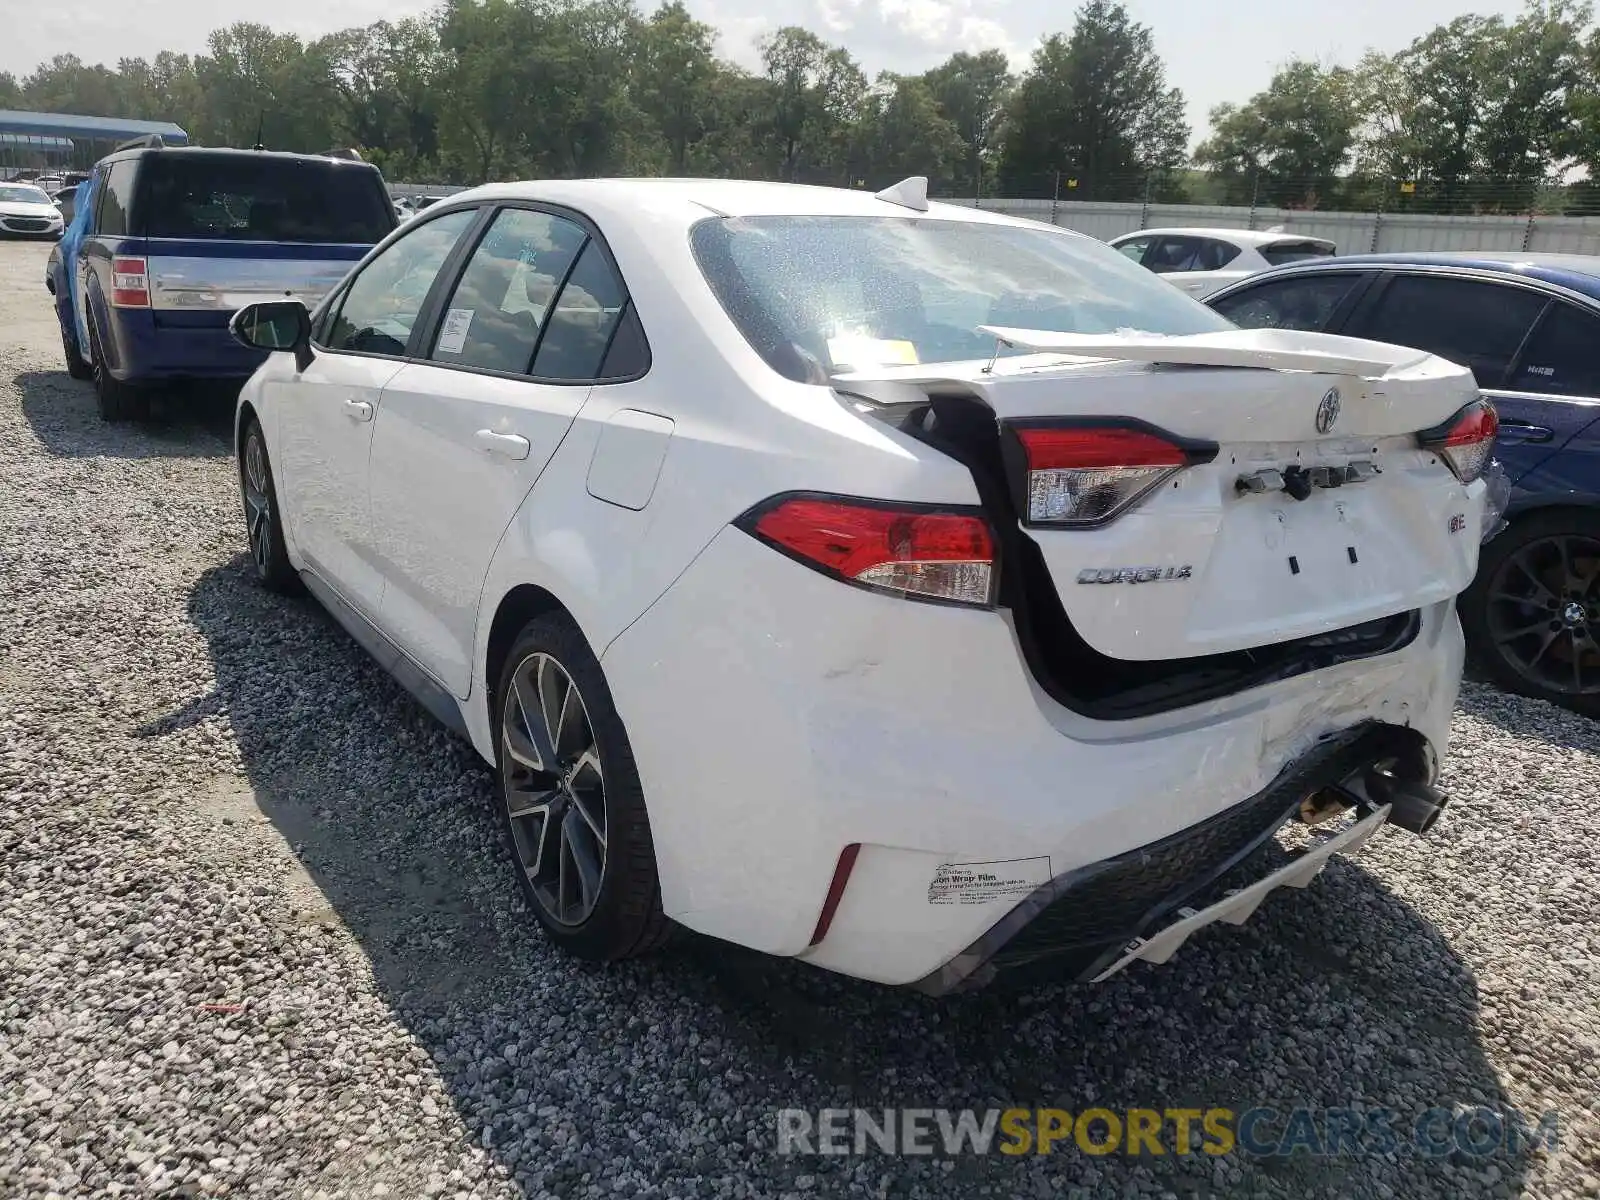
1215,556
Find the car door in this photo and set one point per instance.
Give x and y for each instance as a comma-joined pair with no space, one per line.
1312,302
467,428
1550,404
326,414
1478,322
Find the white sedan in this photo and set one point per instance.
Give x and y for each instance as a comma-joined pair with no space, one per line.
1201,260
27,211
866,580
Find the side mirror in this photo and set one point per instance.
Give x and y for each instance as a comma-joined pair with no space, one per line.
275,325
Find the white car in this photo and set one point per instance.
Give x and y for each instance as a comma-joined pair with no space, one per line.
1201,260
844,576
27,211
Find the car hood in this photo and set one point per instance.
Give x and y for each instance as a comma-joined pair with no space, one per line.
13,208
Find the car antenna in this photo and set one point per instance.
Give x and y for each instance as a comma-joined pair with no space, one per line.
908,193
261,125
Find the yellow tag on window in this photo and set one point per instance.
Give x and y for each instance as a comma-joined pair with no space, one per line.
861,353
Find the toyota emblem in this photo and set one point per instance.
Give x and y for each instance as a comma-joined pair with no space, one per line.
1328,411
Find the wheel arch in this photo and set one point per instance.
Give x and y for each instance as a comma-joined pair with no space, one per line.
521,604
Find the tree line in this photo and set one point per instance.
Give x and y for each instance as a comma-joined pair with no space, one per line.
1480,113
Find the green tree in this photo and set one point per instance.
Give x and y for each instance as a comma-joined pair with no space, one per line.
385,79
1095,105
813,90
971,92
1287,145
900,132
676,71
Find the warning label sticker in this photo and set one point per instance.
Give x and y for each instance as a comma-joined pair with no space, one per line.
980,883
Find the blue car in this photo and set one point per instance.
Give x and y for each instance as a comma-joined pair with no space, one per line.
167,243
1528,325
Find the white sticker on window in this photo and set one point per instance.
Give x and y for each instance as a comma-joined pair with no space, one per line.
453,337
983,882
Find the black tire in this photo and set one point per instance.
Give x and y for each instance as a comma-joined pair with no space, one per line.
77,366
117,401
624,919
263,521
1537,597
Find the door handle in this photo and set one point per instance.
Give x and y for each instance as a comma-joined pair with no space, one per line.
1525,432
358,410
511,445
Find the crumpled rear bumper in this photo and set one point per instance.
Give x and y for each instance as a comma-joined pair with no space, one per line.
1090,922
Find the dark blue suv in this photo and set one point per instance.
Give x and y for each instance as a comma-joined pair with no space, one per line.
175,240
1528,325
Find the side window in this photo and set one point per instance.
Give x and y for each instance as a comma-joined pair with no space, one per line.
630,353
1135,248
494,317
1215,255
586,313
116,198
1563,356
1479,325
1175,254
1305,303
381,305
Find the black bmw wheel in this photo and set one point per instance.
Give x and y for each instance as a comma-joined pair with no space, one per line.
571,801
263,524
1533,613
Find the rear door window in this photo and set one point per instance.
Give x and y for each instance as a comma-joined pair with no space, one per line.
493,319
262,198
1479,324
1308,302
1176,254
1280,253
580,326
1563,356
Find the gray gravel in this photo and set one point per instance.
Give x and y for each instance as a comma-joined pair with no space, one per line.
257,936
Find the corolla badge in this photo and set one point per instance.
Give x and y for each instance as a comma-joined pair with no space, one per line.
1328,411
1135,574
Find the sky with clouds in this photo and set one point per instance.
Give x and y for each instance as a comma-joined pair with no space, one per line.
1215,51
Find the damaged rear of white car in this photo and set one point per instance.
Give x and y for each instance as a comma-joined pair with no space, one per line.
1124,603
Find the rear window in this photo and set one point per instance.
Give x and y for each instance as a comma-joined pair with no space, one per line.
819,295
1279,253
261,200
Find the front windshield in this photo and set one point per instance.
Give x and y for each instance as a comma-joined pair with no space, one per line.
16,193
820,295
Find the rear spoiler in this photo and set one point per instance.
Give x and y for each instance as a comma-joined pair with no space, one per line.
1263,349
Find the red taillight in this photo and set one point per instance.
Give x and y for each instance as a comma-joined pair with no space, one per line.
130,283
1083,474
1466,440
910,550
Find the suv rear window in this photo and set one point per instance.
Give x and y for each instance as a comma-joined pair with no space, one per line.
260,200
1279,253
815,295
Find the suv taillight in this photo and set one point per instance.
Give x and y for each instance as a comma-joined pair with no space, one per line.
918,551
1080,473
130,283
1466,440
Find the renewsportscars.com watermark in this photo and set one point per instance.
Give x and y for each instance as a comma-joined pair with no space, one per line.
1260,1132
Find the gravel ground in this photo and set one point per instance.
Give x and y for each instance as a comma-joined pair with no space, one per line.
258,938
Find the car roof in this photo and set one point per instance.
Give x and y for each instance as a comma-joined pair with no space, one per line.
1576,272
693,199
1243,237
223,152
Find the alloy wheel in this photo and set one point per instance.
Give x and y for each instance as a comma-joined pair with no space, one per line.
1543,609
257,501
554,789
